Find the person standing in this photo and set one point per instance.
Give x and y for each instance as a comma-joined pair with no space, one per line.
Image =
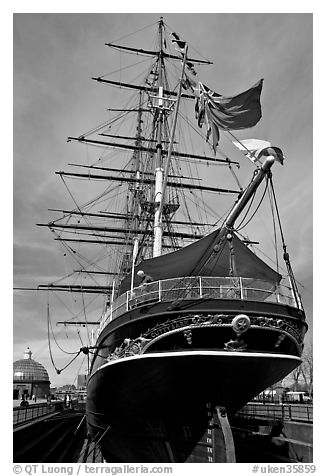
145,278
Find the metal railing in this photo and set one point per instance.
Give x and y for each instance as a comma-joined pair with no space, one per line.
281,411
198,287
28,413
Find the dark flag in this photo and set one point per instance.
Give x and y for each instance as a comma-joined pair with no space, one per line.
189,81
179,44
228,113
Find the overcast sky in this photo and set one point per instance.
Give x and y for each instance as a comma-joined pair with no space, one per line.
55,56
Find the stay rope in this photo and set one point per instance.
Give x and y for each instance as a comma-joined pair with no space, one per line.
58,371
241,226
274,231
286,256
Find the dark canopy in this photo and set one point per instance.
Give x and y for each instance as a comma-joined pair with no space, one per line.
199,259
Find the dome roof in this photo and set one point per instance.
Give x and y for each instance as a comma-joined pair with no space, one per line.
27,369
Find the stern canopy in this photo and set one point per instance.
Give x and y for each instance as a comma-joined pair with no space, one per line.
199,259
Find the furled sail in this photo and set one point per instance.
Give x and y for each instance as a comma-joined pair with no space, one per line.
200,259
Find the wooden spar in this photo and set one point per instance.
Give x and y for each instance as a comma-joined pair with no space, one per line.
116,230
109,242
100,242
142,88
151,150
117,216
121,216
97,236
148,181
95,272
248,193
135,109
74,286
76,289
133,50
80,323
128,171
124,137
155,53
143,139
26,289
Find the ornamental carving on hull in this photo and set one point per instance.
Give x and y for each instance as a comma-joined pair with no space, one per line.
240,324
221,320
235,345
128,348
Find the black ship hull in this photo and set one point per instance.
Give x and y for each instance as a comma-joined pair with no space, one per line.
147,398
154,405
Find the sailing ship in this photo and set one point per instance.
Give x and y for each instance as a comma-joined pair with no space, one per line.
194,324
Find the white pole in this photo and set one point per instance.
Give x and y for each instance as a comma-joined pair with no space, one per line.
134,256
158,231
113,290
160,184
112,298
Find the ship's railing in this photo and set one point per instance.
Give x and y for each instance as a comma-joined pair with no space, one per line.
198,287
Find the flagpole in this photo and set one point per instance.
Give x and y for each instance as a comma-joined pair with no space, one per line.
168,160
112,299
134,256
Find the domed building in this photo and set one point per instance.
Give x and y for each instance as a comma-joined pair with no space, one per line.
30,378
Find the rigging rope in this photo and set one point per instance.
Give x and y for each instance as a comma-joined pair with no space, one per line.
82,343
134,32
252,216
58,371
286,256
84,310
126,67
235,176
274,229
68,248
54,338
192,47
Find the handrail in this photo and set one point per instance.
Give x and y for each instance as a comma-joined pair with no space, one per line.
282,411
198,287
30,412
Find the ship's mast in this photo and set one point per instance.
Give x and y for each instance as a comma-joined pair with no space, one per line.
160,177
175,117
147,214
158,227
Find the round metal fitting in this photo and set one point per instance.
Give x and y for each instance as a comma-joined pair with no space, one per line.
240,323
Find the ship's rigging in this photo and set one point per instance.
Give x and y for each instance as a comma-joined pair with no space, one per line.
149,194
